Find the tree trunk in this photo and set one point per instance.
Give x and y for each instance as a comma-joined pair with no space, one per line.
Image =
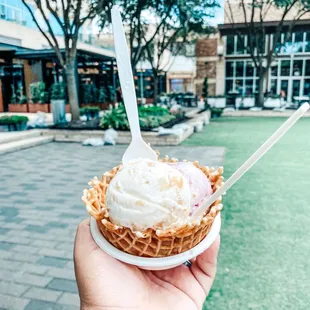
261,80
260,98
71,79
155,82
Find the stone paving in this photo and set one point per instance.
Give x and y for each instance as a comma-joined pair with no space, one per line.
40,208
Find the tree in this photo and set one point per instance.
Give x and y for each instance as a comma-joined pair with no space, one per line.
205,90
70,16
254,16
155,26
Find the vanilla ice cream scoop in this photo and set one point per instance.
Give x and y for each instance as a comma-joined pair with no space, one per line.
149,194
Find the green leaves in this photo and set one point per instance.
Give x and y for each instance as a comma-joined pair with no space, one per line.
12,120
58,91
149,117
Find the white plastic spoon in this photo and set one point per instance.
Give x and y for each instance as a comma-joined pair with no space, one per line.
137,148
253,159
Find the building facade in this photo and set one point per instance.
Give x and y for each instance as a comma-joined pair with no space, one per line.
26,57
224,60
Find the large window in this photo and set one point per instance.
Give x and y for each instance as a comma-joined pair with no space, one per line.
230,45
307,67
236,45
240,77
297,67
293,79
285,67
298,42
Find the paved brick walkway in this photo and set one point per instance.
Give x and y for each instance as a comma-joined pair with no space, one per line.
40,208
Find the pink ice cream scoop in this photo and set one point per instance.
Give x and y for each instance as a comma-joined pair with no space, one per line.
199,184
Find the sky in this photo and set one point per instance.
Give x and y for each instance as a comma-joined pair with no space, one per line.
219,14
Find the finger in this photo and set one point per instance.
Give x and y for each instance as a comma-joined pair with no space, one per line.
84,242
204,268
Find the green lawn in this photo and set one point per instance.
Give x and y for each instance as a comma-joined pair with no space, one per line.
264,260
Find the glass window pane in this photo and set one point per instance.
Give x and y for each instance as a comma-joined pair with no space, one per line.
255,86
285,67
249,70
239,86
284,88
230,45
299,42
276,43
273,86
307,87
274,68
297,67
307,68
229,68
248,87
229,86
296,87
240,45
287,47
307,43
239,68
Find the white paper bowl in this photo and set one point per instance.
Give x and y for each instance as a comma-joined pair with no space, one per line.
160,263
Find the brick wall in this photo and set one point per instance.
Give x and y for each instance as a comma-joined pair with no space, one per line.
205,69
206,47
206,64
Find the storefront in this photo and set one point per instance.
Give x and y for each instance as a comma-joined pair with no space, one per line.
20,67
289,74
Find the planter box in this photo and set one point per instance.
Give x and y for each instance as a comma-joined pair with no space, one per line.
18,108
21,126
217,102
39,107
68,109
4,128
245,102
59,111
101,106
13,127
273,103
106,105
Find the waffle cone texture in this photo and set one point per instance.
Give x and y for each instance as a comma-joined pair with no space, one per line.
150,243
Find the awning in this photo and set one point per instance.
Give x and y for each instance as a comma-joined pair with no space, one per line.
50,53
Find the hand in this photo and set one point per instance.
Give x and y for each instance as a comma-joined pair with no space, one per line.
106,283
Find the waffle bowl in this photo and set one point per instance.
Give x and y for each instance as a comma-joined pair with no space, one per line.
150,243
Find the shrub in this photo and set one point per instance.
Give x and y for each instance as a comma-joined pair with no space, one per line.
58,91
90,93
12,120
216,112
89,109
38,93
18,96
102,95
149,117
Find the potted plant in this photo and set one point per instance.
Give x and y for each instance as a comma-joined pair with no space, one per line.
218,101
247,101
273,101
18,102
216,112
58,102
38,97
